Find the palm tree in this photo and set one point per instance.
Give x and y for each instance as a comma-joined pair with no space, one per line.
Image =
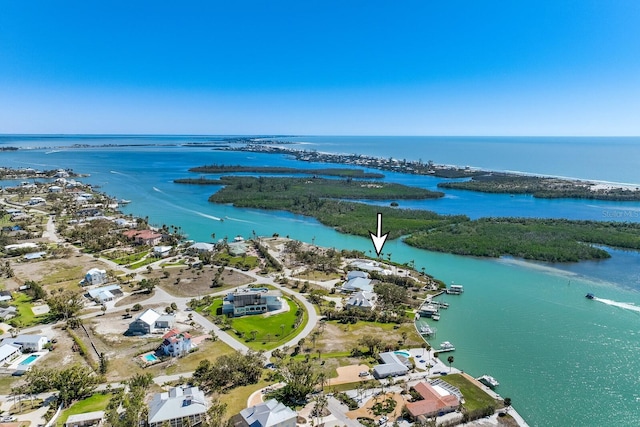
507,404
450,360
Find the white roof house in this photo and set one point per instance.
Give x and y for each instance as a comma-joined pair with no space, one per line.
85,419
179,406
8,352
269,414
151,321
362,299
202,247
28,342
105,293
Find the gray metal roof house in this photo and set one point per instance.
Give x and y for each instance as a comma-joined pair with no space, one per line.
392,365
268,414
179,407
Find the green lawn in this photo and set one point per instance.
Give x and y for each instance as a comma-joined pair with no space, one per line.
142,263
270,331
475,397
97,402
130,258
26,317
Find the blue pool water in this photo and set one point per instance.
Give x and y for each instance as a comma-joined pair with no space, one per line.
29,359
403,353
151,358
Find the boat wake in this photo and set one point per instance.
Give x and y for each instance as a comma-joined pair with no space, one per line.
158,190
119,173
239,220
625,305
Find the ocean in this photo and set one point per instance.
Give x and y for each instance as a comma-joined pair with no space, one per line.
564,360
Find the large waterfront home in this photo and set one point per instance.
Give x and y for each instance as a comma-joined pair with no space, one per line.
144,237
251,301
179,407
436,400
392,365
358,284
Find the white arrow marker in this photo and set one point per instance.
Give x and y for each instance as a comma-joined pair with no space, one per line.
379,238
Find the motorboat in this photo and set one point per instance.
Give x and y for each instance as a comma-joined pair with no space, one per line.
426,330
447,346
590,296
436,316
489,381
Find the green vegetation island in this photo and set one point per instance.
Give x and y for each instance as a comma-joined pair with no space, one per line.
551,240
340,172
545,187
480,180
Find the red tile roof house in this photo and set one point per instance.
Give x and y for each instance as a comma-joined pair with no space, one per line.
144,237
176,343
436,401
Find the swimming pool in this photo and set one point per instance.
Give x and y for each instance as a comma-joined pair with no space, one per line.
29,359
150,358
403,353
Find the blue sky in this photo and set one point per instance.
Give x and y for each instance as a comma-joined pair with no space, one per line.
568,67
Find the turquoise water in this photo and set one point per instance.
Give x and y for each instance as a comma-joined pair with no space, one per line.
403,353
151,358
29,360
564,360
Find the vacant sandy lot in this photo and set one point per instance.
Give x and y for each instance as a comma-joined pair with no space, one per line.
365,410
350,374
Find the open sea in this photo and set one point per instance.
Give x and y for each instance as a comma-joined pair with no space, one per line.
564,360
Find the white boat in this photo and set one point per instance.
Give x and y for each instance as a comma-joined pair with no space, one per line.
447,346
489,381
455,289
436,316
124,201
428,310
426,330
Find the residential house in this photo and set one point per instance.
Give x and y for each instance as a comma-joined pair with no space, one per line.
96,277
176,343
358,284
392,365
5,295
144,237
162,251
148,237
362,300
36,201
28,343
87,419
7,313
105,293
251,301
179,407
8,352
357,273
55,189
267,414
238,248
150,321
436,401
201,247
